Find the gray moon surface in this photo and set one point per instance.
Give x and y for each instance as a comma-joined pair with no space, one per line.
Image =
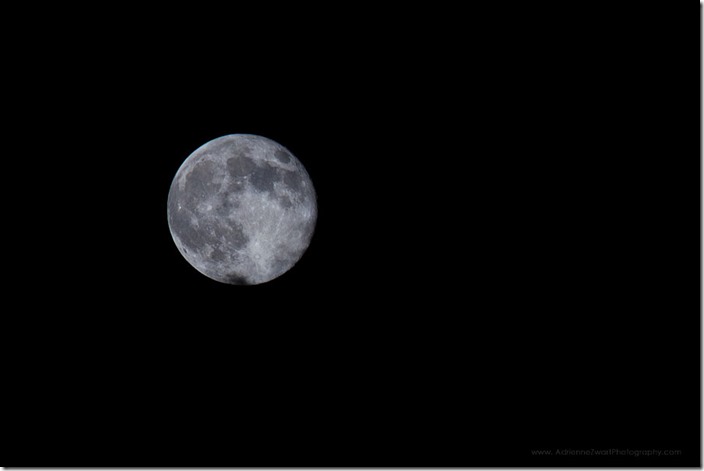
242,209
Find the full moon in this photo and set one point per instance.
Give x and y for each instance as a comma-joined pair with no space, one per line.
242,209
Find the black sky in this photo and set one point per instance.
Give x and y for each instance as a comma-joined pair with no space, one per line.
505,260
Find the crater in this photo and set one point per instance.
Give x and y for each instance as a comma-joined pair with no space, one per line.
236,279
282,156
293,180
236,238
263,178
218,255
200,179
226,207
280,265
236,186
228,146
190,237
284,200
240,166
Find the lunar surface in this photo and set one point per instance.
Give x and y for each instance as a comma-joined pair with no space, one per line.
242,209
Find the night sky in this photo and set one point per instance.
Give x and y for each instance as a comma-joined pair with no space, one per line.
505,257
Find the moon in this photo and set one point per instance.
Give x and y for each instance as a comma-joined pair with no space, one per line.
242,209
